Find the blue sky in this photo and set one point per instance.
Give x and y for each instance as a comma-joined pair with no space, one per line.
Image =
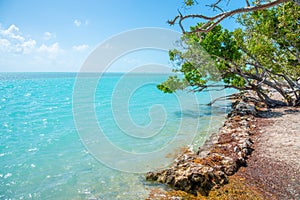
58,35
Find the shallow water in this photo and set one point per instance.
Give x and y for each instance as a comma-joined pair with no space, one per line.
42,155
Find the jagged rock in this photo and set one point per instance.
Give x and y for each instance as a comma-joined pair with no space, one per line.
236,149
247,151
243,108
249,142
152,176
230,166
210,167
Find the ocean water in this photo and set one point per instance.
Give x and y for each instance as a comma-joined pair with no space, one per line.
42,153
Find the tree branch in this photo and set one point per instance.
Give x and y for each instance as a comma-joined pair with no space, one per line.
248,4
211,23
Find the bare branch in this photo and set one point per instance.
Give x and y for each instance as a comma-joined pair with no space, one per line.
215,6
212,21
248,4
227,97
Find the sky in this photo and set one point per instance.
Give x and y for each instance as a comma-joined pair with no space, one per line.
58,35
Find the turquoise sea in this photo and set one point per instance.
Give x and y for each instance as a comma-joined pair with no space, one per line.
41,151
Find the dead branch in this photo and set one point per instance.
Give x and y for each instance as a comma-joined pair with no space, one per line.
212,21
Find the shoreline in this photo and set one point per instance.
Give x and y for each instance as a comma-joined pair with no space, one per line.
230,158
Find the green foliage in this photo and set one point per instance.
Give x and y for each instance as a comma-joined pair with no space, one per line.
272,37
173,83
199,62
189,2
264,53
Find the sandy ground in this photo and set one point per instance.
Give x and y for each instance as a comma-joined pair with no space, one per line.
281,140
274,166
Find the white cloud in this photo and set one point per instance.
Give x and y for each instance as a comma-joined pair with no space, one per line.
4,45
18,50
28,46
13,32
80,47
48,36
77,22
51,49
107,46
11,40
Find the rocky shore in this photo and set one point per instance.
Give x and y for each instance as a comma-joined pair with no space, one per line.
222,155
232,148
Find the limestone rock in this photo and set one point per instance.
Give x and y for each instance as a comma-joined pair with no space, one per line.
220,157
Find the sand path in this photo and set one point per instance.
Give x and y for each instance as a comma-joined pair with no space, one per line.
274,166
